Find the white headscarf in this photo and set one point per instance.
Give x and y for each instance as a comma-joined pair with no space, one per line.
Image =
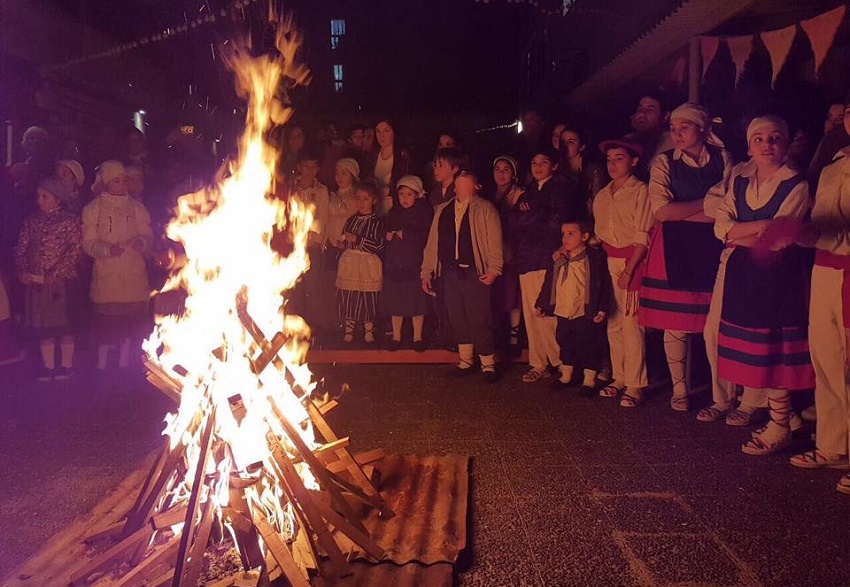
697,114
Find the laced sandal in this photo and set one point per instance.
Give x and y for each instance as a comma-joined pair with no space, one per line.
760,446
680,403
611,390
711,414
815,459
740,417
844,485
795,422
532,375
631,398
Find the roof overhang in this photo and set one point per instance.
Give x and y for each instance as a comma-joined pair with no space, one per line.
690,19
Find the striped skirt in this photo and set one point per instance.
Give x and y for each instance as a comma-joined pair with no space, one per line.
669,300
765,357
763,340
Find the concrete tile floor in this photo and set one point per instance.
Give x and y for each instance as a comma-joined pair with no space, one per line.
565,490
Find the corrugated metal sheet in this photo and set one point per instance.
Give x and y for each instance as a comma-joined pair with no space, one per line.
390,575
429,495
692,18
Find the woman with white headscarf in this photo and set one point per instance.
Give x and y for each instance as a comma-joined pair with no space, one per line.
683,253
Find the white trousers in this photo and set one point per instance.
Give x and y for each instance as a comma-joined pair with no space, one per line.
827,344
625,336
722,391
542,345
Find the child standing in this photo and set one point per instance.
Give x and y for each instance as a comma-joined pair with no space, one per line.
465,247
71,172
622,220
407,230
360,273
47,257
577,290
534,227
117,235
760,300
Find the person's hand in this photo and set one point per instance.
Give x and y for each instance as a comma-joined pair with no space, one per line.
807,236
390,235
624,280
49,279
600,316
557,255
426,286
538,312
488,278
26,278
116,251
350,237
400,234
523,207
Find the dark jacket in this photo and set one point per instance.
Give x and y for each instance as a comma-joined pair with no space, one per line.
536,232
403,257
401,165
599,284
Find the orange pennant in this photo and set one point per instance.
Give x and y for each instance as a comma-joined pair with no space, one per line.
778,44
740,48
708,46
821,31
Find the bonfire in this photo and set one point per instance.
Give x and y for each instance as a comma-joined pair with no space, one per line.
249,460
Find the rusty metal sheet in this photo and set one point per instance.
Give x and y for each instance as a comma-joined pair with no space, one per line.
429,495
390,575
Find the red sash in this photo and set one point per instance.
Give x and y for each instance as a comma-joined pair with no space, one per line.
626,253
833,261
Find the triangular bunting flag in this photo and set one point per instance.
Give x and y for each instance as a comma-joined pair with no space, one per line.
821,30
677,74
778,44
708,46
740,48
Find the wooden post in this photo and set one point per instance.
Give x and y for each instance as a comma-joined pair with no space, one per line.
694,69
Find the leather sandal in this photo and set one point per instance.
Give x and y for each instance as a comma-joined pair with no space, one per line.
631,398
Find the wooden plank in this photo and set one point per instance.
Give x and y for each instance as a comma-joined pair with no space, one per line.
53,564
108,557
362,539
141,573
296,576
194,500
381,357
363,458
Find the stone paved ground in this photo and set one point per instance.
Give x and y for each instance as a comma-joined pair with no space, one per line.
565,490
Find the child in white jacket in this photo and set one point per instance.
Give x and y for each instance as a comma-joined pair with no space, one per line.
117,235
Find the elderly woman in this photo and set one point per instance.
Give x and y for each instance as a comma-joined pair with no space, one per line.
683,253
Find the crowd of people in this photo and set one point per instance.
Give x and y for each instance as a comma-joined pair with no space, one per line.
571,250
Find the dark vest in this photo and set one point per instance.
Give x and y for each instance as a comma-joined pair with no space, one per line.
769,210
446,239
692,183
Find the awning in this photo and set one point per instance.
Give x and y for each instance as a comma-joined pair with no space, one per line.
691,18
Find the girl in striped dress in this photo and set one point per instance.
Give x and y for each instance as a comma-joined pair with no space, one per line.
760,297
683,252
360,272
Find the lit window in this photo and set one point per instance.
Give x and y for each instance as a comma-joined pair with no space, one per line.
337,31
338,87
337,73
337,27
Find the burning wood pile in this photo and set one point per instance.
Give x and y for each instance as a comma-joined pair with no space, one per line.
249,458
